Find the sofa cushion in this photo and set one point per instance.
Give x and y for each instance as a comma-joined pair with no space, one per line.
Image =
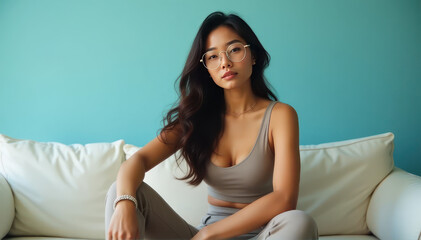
394,211
59,190
338,178
7,207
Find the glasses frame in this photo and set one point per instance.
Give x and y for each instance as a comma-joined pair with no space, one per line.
226,54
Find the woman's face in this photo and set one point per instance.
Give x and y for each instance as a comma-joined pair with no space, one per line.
238,72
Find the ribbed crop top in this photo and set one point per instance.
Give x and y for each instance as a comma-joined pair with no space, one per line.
251,178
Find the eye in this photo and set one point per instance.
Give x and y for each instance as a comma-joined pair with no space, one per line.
236,49
212,57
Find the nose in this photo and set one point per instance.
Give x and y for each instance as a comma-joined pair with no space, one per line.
225,61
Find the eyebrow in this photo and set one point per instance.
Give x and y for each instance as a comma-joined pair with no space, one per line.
226,44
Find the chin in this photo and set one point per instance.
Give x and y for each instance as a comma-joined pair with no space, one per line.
231,85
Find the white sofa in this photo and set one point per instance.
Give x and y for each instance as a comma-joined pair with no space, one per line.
55,191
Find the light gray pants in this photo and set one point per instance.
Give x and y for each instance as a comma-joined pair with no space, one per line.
157,220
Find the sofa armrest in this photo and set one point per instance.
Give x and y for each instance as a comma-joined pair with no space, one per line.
394,211
7,207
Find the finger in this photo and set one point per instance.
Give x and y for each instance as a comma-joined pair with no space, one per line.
115,236
122,236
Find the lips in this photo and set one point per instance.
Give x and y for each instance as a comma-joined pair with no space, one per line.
229,73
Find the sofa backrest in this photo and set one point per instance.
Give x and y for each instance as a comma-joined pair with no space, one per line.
338,178
59,190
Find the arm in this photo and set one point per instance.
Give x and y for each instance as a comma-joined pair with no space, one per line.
123,223
286,177
132,171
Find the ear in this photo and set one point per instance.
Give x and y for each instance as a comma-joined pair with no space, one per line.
254,61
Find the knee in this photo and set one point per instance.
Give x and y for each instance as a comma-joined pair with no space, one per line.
112,191
297,218
302,219
293,224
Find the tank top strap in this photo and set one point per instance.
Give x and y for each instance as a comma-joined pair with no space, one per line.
266,118
263,138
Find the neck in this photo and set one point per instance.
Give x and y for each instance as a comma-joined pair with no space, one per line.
238,103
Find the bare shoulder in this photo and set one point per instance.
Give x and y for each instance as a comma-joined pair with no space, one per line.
283,113
284,130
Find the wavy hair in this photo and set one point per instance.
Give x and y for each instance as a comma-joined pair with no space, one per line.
199,113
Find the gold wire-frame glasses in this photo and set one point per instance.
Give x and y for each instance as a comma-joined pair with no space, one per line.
235,52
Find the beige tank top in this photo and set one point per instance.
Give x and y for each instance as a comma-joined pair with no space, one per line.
251,178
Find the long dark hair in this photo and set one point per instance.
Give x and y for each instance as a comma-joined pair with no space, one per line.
200,112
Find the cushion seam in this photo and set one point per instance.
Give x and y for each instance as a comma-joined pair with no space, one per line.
345,144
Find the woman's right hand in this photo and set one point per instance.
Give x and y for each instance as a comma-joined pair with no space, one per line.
123,224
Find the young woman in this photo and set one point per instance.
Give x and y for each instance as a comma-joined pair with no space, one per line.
234,135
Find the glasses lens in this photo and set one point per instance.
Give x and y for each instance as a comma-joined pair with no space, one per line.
236,52
211,59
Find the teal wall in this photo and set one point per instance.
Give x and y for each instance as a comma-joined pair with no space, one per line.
96,71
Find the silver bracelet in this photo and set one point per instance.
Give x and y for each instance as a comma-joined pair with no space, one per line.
125,197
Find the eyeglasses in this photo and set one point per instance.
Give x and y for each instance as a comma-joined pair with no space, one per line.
235,52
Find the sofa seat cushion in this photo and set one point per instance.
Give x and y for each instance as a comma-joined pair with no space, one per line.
59,190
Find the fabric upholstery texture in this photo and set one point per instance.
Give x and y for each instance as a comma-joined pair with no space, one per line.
395,207
338,178
7,207
59,190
